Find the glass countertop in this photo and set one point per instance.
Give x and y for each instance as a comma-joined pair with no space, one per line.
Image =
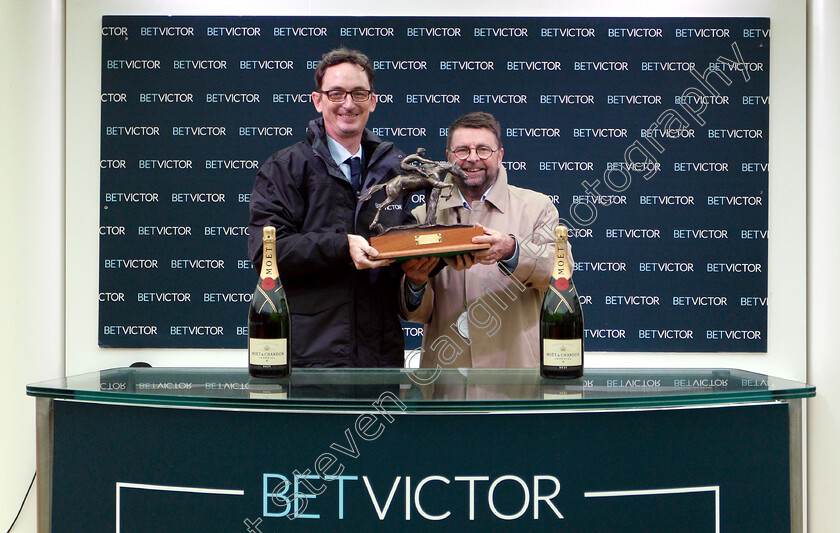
424,390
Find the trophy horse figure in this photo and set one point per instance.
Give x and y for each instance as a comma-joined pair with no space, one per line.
421,173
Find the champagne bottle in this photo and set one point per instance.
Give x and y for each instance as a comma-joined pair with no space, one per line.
561,318
268,319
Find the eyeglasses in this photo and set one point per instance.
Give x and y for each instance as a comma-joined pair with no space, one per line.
357,95
483,152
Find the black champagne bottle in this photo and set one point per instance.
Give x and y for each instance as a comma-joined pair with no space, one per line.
269,324
561,318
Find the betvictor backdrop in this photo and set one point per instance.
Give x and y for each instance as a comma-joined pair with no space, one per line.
649,134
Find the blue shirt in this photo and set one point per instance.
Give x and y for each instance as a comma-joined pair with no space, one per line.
340,154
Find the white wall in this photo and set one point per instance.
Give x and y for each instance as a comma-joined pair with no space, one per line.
32,154
823,259
32,217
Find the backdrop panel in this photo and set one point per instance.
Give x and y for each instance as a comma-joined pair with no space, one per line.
649,134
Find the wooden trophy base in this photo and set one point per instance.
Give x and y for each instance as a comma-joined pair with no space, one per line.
419,241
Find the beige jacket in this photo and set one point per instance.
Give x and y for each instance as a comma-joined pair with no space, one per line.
480,317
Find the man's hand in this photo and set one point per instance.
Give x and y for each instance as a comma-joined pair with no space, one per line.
363,254
502,246
417,269
460,262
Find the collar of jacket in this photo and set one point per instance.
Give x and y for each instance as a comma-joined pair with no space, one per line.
373,146
498,195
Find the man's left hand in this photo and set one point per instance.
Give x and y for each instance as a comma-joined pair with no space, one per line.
363,254
502,246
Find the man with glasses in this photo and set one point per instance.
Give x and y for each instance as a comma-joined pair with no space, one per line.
343,300
483,311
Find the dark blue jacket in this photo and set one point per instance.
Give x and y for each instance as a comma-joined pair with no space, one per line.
341,316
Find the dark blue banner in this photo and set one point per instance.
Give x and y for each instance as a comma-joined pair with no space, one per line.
649,134
139,469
